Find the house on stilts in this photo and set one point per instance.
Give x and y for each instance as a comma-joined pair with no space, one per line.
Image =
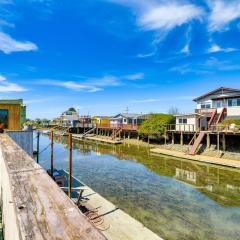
211,110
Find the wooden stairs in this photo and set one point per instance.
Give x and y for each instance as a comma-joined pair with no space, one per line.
116,133
196,144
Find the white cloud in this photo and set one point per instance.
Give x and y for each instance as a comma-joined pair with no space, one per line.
136,76
9,45
8,87
146,55
70,85
216,48
168,16
92,84
222,13
185,49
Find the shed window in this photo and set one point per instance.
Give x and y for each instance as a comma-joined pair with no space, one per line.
183,120
4,117
205,105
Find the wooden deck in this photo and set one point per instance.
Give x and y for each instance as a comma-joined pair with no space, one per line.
115,224
98,139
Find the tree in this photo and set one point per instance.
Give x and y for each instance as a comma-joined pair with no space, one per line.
173,111
72,109
155,124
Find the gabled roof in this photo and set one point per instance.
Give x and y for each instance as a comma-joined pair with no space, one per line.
217,90
129,115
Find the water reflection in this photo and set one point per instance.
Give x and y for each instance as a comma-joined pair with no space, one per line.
177,199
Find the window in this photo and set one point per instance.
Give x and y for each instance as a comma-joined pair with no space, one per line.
219,104
205,105
234,102
182,120
4,117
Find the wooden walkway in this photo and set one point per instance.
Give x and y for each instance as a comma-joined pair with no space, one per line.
98,139
116,224
200,158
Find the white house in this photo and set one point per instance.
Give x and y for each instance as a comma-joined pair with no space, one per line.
127,119
68,118
211,109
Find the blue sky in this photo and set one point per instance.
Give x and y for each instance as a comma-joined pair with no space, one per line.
101,56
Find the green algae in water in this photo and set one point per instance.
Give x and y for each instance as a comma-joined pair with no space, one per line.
177,199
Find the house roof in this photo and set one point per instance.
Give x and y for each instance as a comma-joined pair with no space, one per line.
129,115
188,115
217,90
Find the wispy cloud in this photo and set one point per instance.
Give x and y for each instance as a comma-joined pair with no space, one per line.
152,100
9,87
216,48
92,84
167,16
9,45
163,16
222,13
205,67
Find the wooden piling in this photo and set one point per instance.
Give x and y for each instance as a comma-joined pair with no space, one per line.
38,139
173,138
218,142
52,156
181,141
224,142
69,165
208,141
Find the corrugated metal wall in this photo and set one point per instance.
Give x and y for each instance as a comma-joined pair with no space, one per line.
24,139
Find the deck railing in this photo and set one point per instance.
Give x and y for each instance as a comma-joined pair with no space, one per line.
180,127
117,126
232,128
205,110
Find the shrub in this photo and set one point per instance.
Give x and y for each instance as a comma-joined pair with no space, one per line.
232,121
155,124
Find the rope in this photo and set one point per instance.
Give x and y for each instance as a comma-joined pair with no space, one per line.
45,149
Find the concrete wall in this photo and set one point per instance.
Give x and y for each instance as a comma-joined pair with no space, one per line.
33,206
24,139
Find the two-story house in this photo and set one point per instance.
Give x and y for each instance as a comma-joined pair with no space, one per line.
211,109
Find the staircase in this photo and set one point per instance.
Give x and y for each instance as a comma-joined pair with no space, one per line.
216,118
196,144
89,131
116,132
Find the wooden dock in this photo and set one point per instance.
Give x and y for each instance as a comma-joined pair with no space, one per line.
115,224
200,158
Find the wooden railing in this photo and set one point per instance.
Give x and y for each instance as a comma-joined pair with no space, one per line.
232,128
117,126
205,110
180,127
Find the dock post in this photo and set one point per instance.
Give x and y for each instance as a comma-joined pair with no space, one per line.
181,138
38,138
208,141
218,142
69,165
224,142
52,156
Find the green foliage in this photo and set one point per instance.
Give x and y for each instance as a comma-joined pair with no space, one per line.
71,109
155,124
232,121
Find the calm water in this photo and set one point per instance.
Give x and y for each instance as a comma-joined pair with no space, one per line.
176,199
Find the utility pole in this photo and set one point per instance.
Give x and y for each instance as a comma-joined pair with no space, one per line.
69,165
51,139
38,138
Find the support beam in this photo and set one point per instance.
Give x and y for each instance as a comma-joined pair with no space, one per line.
218,142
